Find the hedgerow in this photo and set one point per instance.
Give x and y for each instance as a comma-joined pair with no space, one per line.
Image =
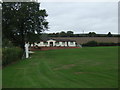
10,55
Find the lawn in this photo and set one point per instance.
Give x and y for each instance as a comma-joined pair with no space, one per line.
90,67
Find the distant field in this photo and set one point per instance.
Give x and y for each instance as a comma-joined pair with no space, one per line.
90,67
82,40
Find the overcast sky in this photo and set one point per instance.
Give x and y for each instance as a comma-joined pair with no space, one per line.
99,17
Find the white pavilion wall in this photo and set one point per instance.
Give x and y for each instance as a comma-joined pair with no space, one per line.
62,44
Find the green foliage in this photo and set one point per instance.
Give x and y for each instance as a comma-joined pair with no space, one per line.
70,33
62,34
108,44
94,43
10,55
109,34
6,43
44,36
91,43
31,37
20,19
92,34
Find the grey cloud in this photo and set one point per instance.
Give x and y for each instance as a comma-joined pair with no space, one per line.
98,17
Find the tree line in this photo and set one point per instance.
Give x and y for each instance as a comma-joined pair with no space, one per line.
71,34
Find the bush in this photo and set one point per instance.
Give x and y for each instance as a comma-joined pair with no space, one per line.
94,43
90,43
107,44
7,43
10,55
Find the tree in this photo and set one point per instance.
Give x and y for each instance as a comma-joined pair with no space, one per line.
22,20
109,34
91,34
44,36
62,34
31,37
69,33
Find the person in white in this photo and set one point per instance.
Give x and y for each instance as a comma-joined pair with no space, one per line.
26,50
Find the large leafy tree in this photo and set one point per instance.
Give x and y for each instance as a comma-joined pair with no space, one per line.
70,33
23,21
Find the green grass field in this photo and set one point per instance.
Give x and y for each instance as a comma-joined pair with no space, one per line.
90,67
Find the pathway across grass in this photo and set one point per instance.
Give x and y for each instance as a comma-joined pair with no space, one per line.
93,67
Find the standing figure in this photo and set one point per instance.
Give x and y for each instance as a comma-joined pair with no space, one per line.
26,50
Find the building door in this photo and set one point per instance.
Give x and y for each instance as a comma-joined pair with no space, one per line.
51,44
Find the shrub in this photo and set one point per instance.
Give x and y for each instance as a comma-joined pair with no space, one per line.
6,43
90,43
94,43
10,55
107,44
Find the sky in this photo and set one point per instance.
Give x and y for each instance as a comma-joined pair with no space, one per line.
82,17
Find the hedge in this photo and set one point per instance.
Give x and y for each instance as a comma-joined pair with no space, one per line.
10,55
94,43
90,43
